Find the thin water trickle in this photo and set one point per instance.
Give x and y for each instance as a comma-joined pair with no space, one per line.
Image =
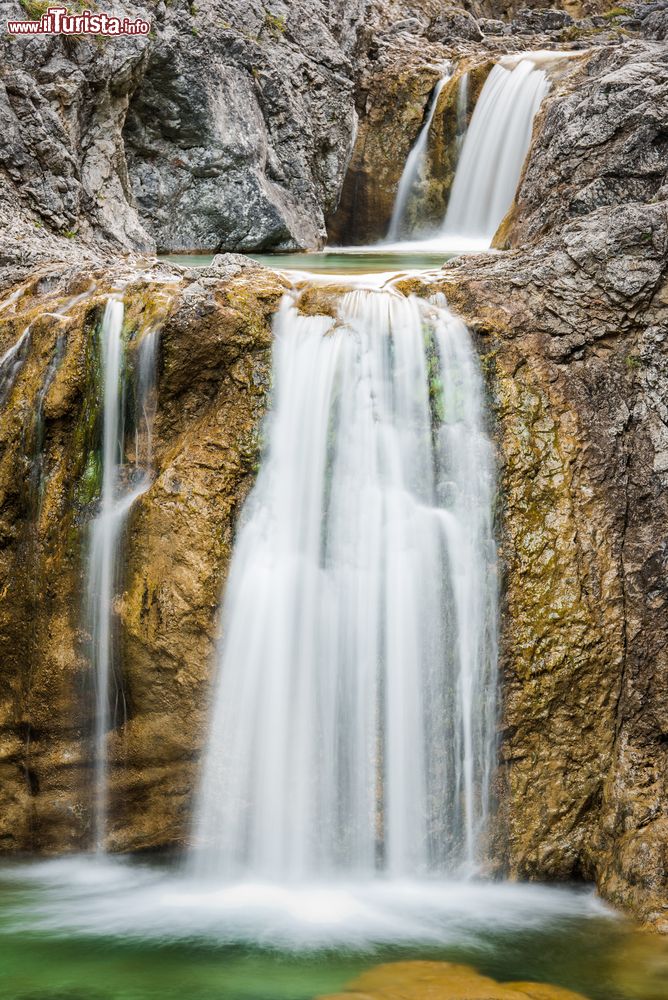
353,723
413,169
118,494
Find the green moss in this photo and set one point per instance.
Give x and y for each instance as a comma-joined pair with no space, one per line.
90,482
434,379
615,12
274,24
35,8
572,33
88,431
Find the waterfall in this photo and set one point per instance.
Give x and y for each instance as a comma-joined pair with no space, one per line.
353,720
119,490
494,151
413,167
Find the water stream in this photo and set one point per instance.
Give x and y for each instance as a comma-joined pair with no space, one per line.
413,168
11,363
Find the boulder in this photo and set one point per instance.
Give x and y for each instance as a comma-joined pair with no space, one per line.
452,25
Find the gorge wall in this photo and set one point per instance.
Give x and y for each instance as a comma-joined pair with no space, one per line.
571,322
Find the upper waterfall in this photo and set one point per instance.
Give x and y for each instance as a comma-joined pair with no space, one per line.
494,150
353,722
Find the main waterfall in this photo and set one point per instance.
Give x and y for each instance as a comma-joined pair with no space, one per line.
353,721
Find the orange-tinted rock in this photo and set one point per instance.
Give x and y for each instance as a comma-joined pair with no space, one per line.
442,981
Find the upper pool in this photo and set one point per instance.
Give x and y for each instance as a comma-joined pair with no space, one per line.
343,261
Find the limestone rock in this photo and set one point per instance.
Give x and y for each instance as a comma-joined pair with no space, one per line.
214,376
453,24
602,142
573,335
534,22
134,142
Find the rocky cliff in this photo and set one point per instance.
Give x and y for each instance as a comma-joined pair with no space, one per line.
213,374
573,328
232,124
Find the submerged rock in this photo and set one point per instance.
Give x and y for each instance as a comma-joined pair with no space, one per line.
443,981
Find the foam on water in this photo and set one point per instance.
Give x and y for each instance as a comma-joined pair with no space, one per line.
104,897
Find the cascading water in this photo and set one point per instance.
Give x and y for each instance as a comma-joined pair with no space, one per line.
353,722
119,490
413,168
494,151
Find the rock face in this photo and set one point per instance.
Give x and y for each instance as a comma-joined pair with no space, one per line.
239,132
573,326
135,142
214,372
573,339
604,143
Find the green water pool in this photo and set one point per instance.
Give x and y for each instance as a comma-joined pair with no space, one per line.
331,262
77,936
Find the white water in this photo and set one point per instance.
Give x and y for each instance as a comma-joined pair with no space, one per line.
105,896
414,167
493,152
353,724
116,500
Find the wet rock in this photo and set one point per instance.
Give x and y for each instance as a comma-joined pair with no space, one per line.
445,980
572,333
214,377
397,102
